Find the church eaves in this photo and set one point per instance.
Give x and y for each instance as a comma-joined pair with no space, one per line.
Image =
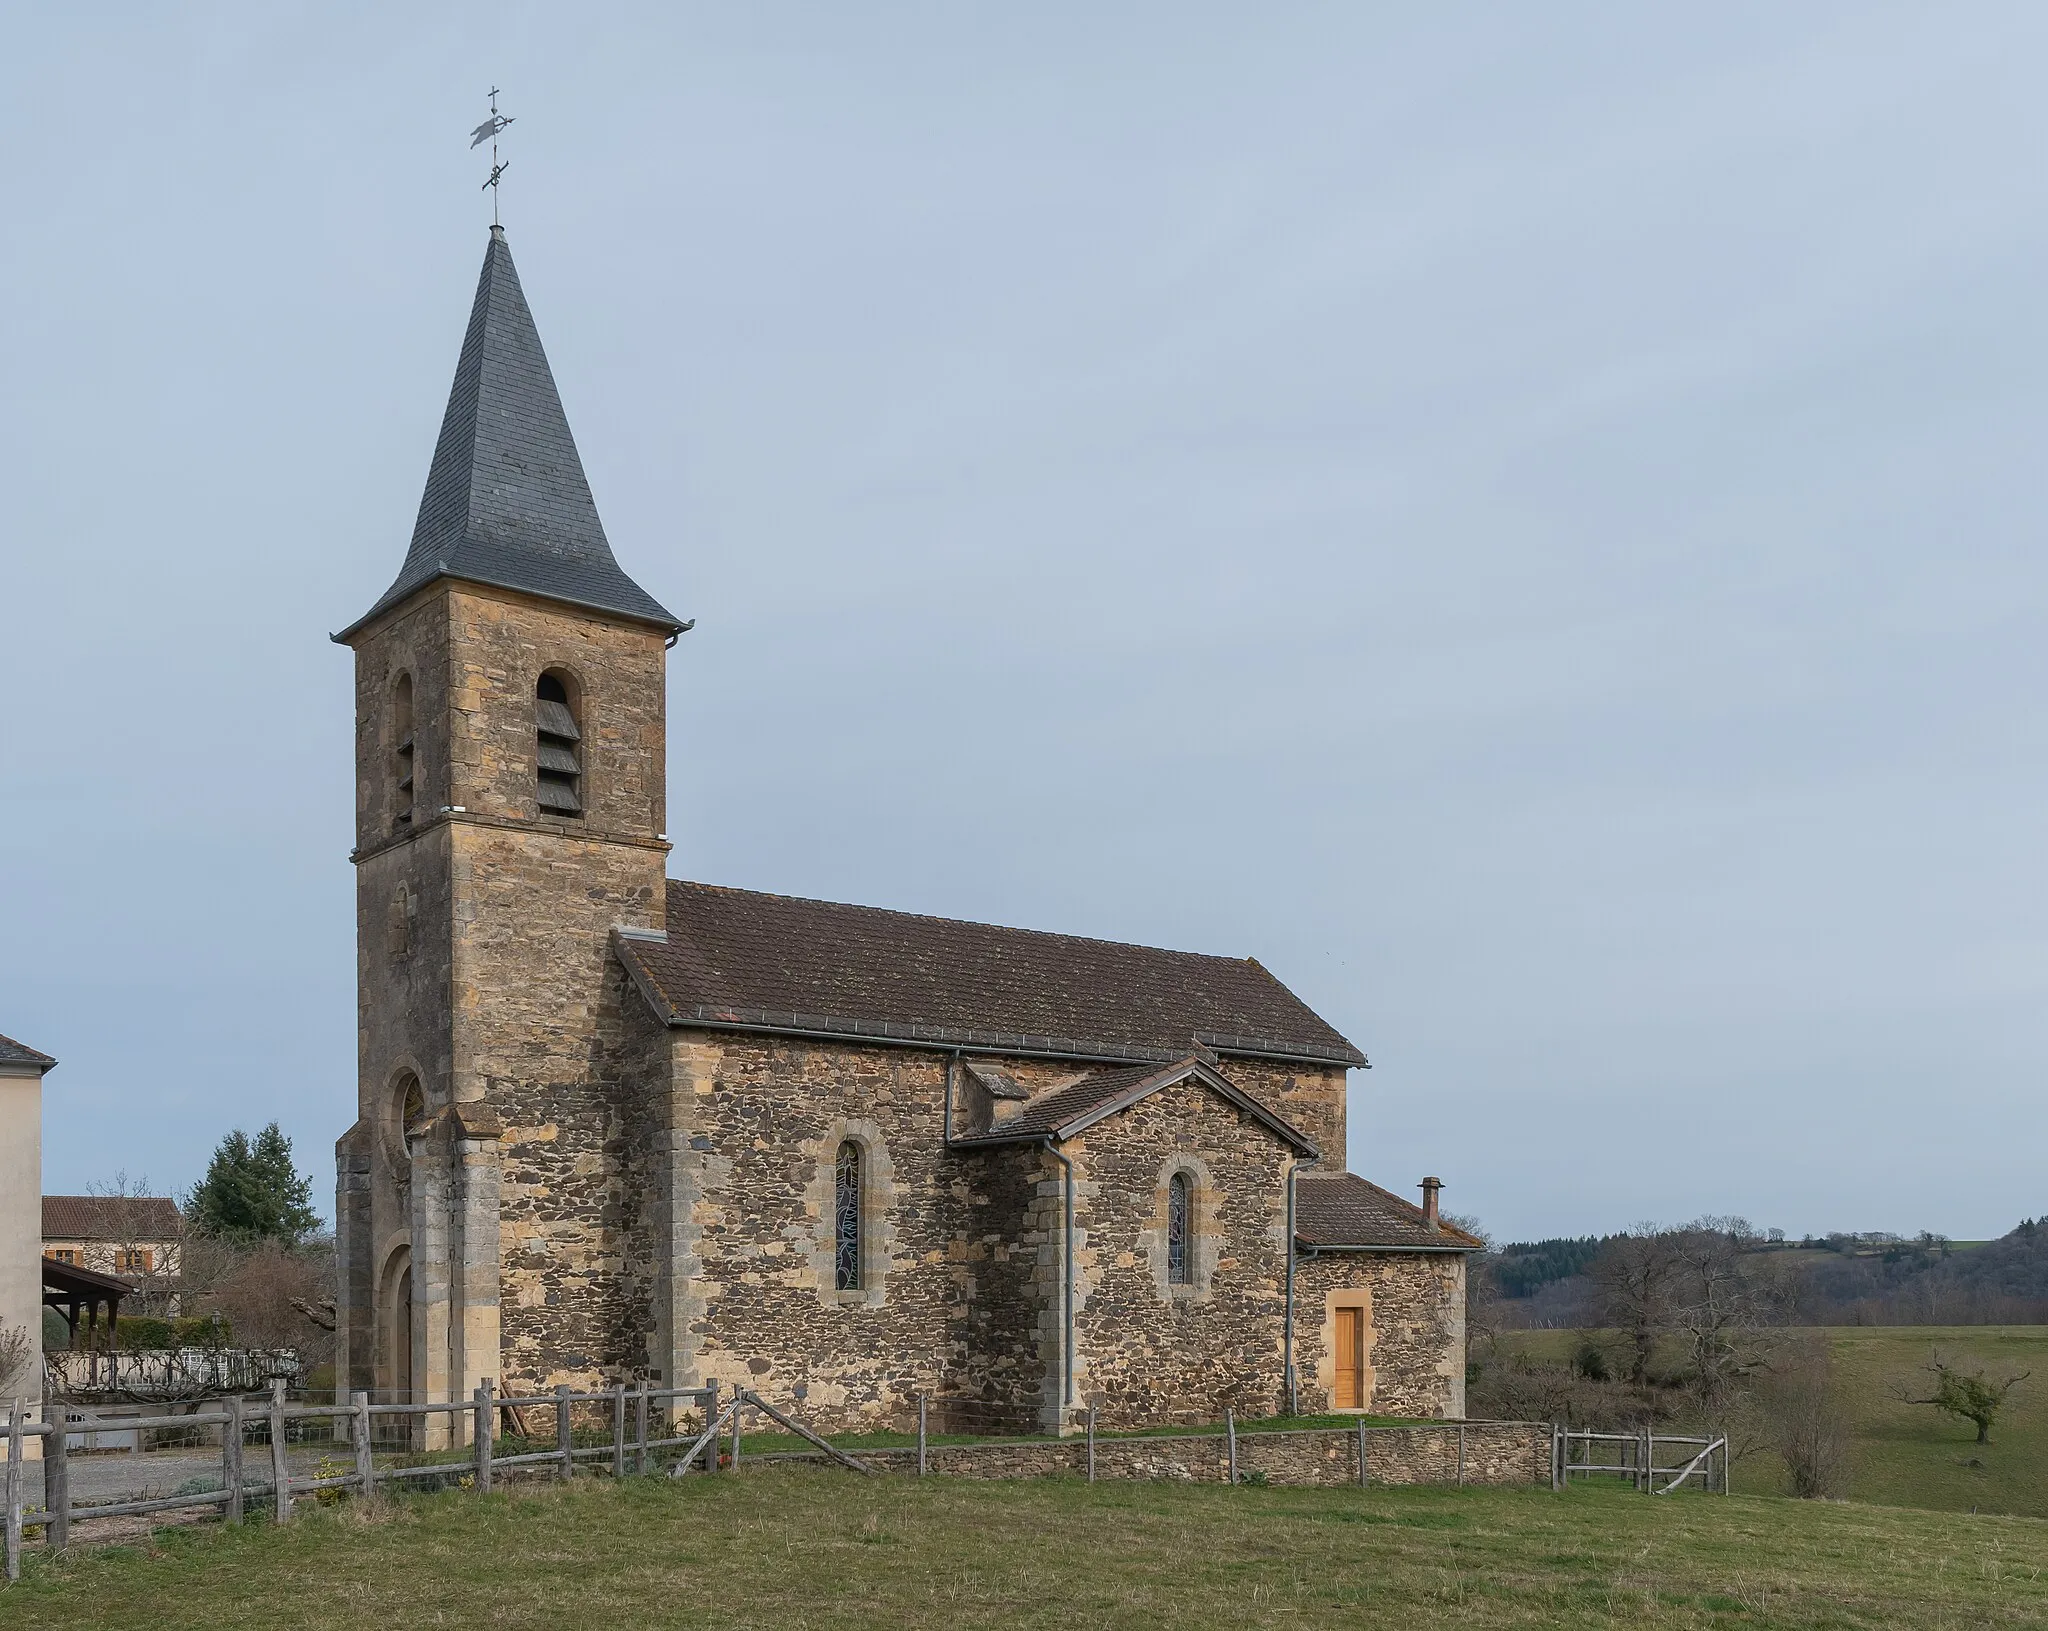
507,504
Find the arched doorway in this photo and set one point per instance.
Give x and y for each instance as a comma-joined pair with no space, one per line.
394,1327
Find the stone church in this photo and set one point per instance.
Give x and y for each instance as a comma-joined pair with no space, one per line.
613,1125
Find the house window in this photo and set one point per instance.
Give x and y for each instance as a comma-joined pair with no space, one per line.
1179,1266
132,1260
557,736
62,1254
402,753
846,1218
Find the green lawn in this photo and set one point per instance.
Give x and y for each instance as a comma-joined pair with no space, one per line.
1910,1455
799,1546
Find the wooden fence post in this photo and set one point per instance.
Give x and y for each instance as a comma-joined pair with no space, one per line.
1230,1433
366,1467
1361,1452
14,1460
618,1429
486,1425
280,1469
640,1429
920,1434
563,1429
710,1417
739,1405
1091,1444
56,1480
231,1458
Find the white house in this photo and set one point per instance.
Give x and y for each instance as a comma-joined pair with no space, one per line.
21,1220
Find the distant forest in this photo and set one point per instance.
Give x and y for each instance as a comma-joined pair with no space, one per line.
1872,1278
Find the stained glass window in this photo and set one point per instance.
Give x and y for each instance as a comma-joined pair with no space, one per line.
1177,1230
846,1218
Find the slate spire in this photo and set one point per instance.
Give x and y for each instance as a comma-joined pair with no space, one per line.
507,503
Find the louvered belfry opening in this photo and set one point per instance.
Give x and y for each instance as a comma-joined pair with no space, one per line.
561,767
402,753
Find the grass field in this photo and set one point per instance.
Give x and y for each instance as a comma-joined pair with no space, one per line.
797,1546
1910,1455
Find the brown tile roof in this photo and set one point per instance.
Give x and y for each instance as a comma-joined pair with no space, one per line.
1061,1112
739,959
20,1053
110,1217
1339,1210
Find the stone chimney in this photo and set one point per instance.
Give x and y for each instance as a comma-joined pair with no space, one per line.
1430,1189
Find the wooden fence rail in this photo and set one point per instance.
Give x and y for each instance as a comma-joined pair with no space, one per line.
642,1420
60,1510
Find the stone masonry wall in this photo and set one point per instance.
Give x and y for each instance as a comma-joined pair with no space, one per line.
500,951
947,1263
1415,1330
1309,1097
1497,1454
1149,1351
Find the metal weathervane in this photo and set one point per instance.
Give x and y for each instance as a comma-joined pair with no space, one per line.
488,132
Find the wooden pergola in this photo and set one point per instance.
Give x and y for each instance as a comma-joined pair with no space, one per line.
72,1290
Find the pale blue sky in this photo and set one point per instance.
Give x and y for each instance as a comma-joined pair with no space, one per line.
1525,519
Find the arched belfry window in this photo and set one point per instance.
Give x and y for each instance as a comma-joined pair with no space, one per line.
846,1218
561,768
1179,1265
402,754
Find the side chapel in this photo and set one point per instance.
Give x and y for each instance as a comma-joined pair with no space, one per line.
612,1125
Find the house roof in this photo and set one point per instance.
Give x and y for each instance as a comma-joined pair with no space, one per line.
20,1053
1062,1112
1340,1211
506,501
111,1217
734,959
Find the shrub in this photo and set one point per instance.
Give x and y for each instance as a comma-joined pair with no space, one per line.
1804,1419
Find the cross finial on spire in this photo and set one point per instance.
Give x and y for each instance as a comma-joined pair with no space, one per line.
488,131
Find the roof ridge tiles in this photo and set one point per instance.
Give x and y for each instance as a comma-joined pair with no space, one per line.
973,923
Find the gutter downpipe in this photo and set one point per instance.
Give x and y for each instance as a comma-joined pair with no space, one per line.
1066,1284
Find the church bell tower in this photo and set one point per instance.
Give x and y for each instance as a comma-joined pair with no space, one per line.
510,813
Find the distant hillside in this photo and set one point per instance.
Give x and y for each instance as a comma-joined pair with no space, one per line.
1870,1278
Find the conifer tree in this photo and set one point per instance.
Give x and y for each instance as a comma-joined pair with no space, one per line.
252,1191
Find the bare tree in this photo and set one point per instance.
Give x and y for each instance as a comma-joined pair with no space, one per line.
1804,1418
17,1344
1482,1289
1636,1275
1720,1303
147,1258
273,1295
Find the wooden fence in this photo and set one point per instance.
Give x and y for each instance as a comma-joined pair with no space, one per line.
1635,1458
642,1422
638,1417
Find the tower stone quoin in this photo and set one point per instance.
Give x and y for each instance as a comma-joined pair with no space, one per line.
614,1126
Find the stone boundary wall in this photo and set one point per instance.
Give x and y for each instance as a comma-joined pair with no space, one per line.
1493,1453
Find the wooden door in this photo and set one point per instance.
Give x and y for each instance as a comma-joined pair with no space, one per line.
1350,1360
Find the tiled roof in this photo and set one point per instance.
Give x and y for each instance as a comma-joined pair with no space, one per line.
1062,1112
110,1217
20,1053
506,501
739,959
1336,1210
